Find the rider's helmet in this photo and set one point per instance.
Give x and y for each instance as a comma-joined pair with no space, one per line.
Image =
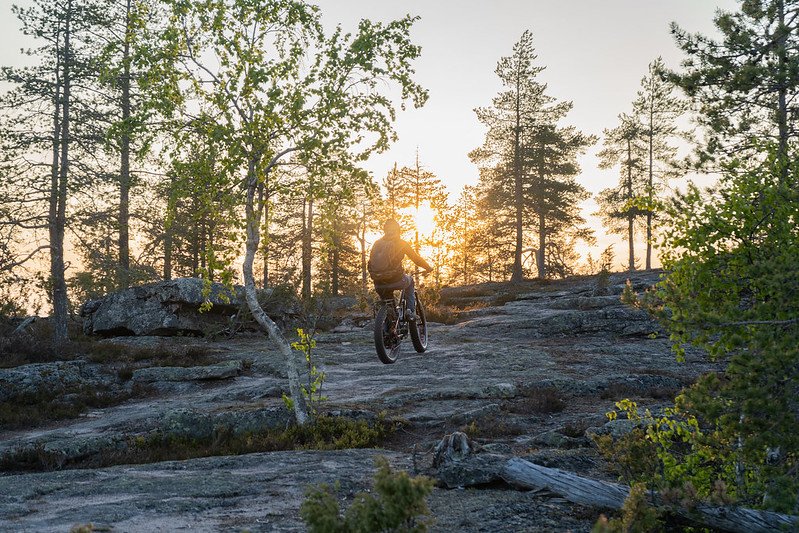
391,228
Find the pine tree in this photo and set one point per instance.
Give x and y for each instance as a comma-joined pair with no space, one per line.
554,194
533,159
51,117
745,84
732,290
618,206
657,109
419,188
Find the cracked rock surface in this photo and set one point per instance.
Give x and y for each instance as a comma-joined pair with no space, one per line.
533,378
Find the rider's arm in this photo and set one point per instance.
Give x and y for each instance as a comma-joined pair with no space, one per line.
416,258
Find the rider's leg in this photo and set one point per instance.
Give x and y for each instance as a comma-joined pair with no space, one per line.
410,296
385,294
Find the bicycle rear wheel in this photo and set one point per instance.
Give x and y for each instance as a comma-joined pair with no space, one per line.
387,340
419,329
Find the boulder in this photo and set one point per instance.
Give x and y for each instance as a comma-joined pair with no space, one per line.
47,378
163,308
172,307
617,428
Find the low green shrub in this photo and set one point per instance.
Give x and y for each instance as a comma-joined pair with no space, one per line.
325,433
397,505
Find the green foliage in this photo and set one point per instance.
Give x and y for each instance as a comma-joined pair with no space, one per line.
396,506
312,391
36,409
86,528
733,290
667,452
339,433
325,433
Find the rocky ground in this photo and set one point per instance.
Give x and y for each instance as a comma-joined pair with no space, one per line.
532,378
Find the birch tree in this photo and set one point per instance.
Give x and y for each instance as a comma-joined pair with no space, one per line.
279,85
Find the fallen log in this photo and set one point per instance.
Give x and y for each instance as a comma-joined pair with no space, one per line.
592,492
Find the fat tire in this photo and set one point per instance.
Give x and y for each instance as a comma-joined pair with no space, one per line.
419,329
387,354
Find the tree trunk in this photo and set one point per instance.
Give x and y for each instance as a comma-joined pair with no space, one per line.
466,278
195,247
53,197
203,245
335,260
540,254
417,199
169,231
651,188
490,267
595,493
253,219
362,243
58,201
518,274
307,232
782,91
631,212
631,245
265,247
124,167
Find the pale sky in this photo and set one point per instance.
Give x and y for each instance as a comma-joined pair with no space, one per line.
595,53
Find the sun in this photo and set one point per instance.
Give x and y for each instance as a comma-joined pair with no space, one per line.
425,219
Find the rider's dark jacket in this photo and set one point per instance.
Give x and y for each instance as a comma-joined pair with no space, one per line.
398,249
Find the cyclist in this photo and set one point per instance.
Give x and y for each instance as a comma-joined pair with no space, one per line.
385,265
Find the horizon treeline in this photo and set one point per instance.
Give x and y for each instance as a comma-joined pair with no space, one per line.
148,137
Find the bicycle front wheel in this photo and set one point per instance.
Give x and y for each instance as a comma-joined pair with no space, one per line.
419,329
387,341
